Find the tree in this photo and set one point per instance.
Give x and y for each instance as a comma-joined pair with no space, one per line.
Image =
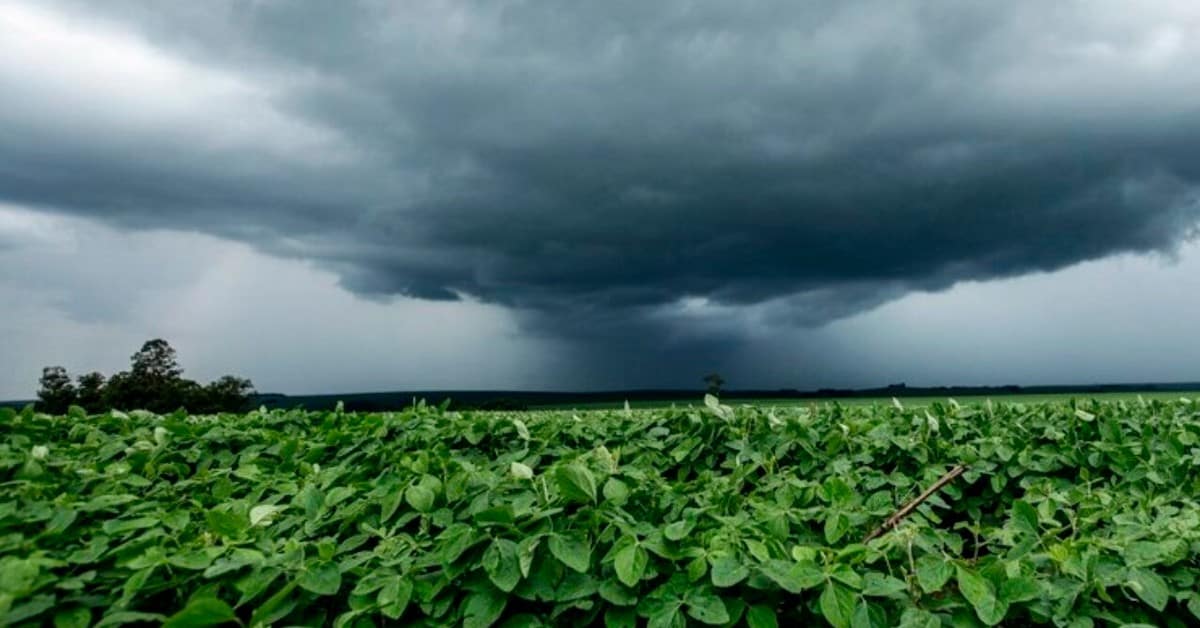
714,382
153,382
227,394
57,393
155,362
91,392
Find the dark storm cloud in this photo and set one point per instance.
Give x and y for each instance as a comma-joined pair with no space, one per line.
599,165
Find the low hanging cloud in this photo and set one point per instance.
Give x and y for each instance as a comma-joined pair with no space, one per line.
703,166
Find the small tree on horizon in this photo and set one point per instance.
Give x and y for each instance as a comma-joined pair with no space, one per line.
90,391
57,392
713,382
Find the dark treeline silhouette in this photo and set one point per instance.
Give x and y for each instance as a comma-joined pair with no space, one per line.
154,382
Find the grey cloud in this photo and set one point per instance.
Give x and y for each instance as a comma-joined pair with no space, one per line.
595,165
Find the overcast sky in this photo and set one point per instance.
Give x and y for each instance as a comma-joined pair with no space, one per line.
544,195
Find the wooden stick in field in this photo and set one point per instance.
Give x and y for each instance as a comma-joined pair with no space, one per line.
905,511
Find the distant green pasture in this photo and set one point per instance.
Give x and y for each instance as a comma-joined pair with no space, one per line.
868,401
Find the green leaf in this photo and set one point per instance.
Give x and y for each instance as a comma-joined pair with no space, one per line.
617,594
616,491
196,560
1150,587
227,524
679,530
668,616
793,577
761,616
1025,518
1021,589
526,550
482,608
980,592
420,498
727,571
201,611
836,526
264,514
706,607
918,618
121,526
879,584
933,572
573,552
118,618
620,618
862,616
630,562
520,471
77,617
837,604
394,596
846,575
502,565
1150,553
27,609
576,482
322,578
697,568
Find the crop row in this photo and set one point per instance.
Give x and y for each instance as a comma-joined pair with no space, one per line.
1072,514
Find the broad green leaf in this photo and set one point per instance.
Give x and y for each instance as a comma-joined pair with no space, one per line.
846,575
394,596
420,498
482,608
201,611
862,616
761,616
576,482
705,606
526,550
322,578
679,530
264,514
1150,587
793,577
980,592
574,552
617,594
727,571
502,565
837,604
616,491
882,585
521,471
227,524
630,562
121,526
1025,517
120,618
77,617
620,618
836,526
933,572
196,560
1021,589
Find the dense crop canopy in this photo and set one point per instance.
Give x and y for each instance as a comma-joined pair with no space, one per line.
1073,514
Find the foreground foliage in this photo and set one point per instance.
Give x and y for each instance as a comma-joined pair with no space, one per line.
1075,514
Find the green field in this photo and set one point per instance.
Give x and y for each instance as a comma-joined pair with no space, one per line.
906,401
1081,513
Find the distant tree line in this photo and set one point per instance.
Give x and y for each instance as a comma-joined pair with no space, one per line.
154,382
